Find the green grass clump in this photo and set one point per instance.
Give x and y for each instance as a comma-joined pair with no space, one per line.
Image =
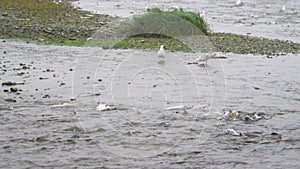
192,17
173,28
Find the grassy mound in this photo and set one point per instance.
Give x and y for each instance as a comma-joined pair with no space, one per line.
192,17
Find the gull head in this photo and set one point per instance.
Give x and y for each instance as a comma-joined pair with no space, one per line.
161,46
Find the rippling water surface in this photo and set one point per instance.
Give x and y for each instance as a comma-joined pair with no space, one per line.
52,120
241,111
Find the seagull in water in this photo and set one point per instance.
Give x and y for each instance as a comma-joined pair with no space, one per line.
103,107
239,3
202,60
282,8
161,53
202,15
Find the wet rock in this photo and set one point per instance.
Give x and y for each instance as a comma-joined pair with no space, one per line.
10,100
72,38
13,89
5,14
102,23
21,74
11,83
62,84
40,139
46,96
276,135
25,67
42,78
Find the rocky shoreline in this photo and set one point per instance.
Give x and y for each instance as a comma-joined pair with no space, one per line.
61,23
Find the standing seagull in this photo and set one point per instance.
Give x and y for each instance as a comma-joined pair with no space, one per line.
161,53
283,8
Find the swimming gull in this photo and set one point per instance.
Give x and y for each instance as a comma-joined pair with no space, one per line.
283,8
103,107
239,3
202,60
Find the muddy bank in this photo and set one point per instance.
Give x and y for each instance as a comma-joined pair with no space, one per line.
48,21
60,23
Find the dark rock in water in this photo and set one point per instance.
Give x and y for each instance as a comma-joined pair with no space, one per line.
61,84
11,83
41,139
46,96
42,78
277,135
13,89
256,88
10,100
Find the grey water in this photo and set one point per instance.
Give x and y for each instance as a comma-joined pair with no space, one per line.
163,115
54,122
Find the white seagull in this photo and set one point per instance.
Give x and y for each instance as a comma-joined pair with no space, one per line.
239,3
103,107
161,53
202,60
283,8
202,15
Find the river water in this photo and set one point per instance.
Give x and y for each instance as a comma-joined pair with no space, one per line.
239,111
54,121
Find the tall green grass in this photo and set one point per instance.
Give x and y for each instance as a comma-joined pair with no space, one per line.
192,17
